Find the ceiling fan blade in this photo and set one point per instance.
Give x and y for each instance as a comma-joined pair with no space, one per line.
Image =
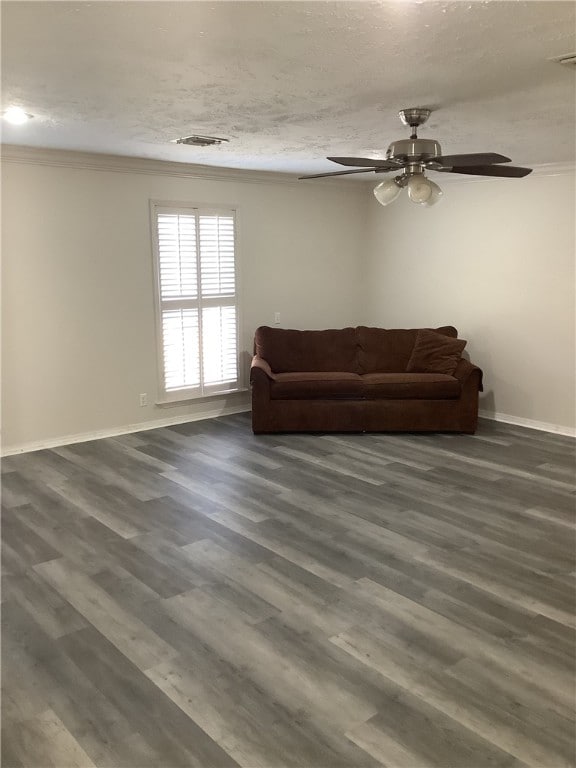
337,173
480,158
364,161
511,171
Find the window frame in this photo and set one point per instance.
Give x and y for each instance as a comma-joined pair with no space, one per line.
176,397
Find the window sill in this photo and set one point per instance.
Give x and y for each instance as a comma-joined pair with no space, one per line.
183,399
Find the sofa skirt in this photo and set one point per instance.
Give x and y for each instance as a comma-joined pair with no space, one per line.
458,415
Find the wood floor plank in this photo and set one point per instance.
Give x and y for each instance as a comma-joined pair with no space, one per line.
554,681
47,742
52,613
127,633
172,738
498,727
410,732
253,728
297,683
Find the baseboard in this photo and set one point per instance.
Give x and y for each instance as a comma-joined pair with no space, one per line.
145,425
125,430
543,426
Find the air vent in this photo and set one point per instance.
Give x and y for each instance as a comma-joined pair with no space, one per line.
568,59
200,141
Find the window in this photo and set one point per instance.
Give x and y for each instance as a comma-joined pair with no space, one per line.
195,269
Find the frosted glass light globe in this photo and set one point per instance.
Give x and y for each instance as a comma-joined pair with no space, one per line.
435,197
387,191
419,188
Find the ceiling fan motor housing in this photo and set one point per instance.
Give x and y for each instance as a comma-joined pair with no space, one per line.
413,149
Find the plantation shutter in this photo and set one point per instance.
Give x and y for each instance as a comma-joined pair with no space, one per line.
196,275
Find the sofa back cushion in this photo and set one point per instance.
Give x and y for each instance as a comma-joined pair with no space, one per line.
289,350
388,350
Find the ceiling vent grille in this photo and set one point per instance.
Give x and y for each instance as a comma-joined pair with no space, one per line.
568,59
200,141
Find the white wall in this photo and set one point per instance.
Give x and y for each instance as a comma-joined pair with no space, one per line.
496,259
78,314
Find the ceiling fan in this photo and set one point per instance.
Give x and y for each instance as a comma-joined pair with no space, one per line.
412,157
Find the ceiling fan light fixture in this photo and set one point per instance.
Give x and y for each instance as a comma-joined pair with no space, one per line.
412,157
387,191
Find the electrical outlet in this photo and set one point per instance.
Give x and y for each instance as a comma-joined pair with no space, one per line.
276,318
143,400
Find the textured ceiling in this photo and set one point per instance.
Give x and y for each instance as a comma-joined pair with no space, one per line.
290,82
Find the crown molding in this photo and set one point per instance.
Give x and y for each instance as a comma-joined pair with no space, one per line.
63,158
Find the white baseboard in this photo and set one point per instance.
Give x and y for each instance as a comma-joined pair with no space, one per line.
543,426
125,430
145,425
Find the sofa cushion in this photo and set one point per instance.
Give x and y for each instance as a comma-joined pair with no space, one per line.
434,353
289,350
316,385
389,350
410,386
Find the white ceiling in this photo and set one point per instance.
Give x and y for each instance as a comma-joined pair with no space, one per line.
290,82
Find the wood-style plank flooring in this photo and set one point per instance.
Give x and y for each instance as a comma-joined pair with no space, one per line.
200,596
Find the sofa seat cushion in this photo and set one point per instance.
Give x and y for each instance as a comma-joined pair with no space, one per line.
410,386
316,385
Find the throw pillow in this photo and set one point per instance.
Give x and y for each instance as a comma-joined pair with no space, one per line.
435,353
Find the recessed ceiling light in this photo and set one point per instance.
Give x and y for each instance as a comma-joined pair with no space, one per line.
16,116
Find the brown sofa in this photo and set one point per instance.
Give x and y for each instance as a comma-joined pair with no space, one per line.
355,380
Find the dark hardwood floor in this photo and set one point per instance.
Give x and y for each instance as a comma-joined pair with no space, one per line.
200,596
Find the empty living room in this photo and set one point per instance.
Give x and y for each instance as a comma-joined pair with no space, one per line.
288,472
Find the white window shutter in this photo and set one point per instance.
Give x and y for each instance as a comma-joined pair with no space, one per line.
178,255
181,346
196,276
219,347
217,256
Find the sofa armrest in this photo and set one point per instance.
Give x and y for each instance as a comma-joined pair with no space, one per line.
261,378
464,370
260,369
